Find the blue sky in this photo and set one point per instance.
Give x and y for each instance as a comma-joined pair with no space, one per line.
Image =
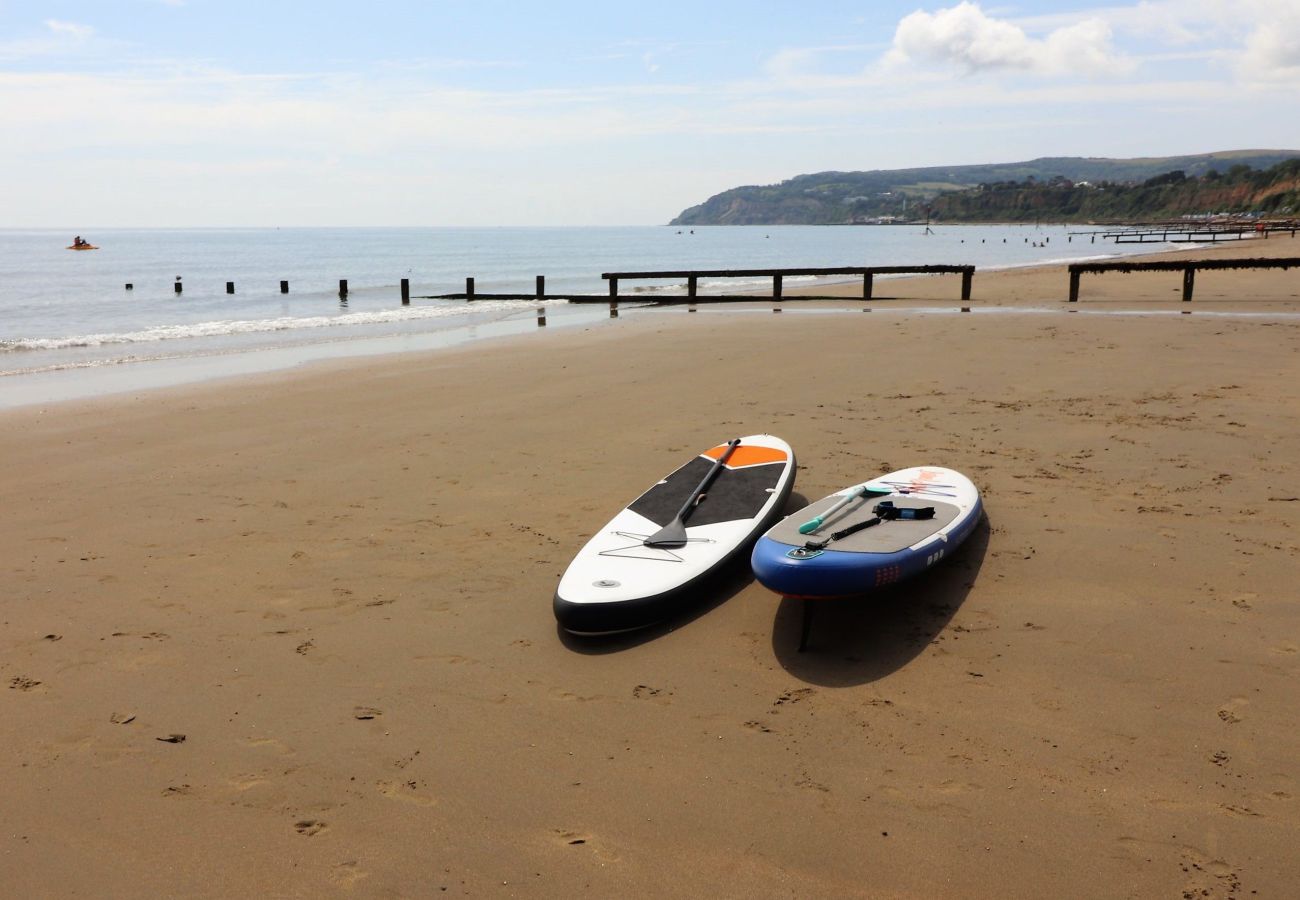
395,112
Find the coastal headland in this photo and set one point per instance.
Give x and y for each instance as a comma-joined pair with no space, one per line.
291,634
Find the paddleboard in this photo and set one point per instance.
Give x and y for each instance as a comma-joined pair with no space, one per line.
921,515
639,569
82,247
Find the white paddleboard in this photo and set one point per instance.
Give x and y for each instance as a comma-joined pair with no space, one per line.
625,578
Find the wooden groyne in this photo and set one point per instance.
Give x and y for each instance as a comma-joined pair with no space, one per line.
1191,232
1189,268
693,277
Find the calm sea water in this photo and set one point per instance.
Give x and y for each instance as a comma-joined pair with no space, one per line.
65,311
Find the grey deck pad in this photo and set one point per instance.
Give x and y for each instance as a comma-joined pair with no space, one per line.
887,537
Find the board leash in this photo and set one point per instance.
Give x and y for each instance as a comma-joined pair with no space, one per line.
884,511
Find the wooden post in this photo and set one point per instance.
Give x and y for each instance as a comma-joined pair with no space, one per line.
541,314
541,293
867,285
613,308
1189,279
613,290
230,287
966,278
469,288
691,285
178,287
284,287
130,286
343,289
776,287
1074,287
406,292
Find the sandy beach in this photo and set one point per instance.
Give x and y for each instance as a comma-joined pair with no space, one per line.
291,635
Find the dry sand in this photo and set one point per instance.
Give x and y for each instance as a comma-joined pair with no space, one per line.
336,584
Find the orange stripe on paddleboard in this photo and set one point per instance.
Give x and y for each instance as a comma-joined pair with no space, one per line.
748,456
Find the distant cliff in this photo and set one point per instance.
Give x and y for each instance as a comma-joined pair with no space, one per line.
987,192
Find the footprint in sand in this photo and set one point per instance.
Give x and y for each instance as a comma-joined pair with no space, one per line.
20,683
1208,877
1243,601
269,744
808,784
950,787
572,697
242,783
365,713
1201,869
1232,712
659,695
309,827
405,790
789,698
347,874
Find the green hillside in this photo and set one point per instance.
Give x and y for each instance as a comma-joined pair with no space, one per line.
841,198
1274,191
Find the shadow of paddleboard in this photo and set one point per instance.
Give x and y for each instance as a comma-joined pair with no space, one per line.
862,639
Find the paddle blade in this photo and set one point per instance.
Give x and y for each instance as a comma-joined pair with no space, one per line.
811,525
670,536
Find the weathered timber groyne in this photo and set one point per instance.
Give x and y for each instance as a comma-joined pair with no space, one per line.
1189,268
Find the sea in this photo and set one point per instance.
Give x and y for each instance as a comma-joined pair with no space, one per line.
71,327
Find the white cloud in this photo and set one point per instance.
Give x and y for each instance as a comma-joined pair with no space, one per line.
71,30
1272,49
60,38
964,35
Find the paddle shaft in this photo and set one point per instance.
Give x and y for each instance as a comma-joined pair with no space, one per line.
674,533
813,524
691,501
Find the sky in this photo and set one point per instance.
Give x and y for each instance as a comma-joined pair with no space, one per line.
175,113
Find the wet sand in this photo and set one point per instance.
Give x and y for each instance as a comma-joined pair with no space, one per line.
335,584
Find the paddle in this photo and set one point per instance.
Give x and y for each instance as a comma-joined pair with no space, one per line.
674,533
813,524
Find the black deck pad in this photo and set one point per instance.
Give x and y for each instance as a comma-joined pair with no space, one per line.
734,494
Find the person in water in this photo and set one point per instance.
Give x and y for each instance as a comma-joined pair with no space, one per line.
78,242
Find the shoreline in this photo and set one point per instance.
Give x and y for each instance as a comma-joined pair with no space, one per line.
74,382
